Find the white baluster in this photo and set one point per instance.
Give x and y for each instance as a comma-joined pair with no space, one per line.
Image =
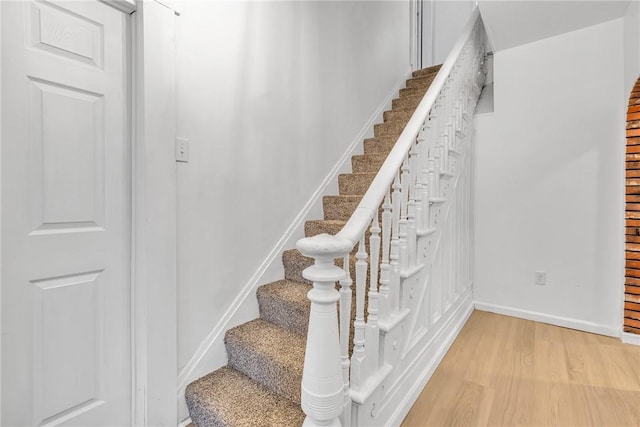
358,369
411,233
418,208
386,247
394,280
437,191
406,177
373,331
322,383
374,251
345,326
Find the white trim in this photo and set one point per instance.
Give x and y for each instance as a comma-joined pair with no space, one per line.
154,224
1,210
202,360
126,6
185,423
420,371
565,322
628,338
132,38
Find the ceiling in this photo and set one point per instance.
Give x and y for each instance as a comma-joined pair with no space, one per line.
512,23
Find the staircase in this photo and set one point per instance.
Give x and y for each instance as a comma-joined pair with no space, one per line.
261,384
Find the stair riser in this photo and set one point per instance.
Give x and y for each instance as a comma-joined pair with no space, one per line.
339,208
354,184
410,102
398,115
367,164
286,314
264,370
374,145
427,71
412,91
210,400
422,82
389,128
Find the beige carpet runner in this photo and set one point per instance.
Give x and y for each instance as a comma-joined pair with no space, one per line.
260,386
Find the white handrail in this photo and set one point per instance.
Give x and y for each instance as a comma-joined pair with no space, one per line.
374,196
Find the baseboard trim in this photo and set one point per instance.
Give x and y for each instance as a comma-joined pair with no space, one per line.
185,423
565,322
628,338
419,374
194,368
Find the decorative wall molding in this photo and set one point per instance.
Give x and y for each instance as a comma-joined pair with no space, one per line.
211,352
565,322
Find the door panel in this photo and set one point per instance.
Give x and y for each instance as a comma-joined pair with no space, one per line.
66,214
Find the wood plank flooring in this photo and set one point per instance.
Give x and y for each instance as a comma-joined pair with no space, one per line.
504,371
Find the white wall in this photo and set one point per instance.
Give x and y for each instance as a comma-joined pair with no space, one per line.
631,46
270,95
443,21
549,180
516,22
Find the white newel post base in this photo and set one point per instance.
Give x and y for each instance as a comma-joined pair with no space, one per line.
322,380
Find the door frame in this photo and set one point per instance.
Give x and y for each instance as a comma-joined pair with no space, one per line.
415,37
154,211
153,238
153,191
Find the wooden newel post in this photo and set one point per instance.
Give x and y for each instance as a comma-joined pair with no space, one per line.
322,382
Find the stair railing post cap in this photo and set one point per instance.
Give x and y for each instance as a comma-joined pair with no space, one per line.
324,245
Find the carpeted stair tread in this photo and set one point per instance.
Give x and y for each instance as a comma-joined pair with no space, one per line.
401,114
378,145
256,348
426,71
340,207
393,128
367,162
421,81
413,91
406,102
227,398
388,138
285,303
354,183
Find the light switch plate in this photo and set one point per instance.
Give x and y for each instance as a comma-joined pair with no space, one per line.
182,150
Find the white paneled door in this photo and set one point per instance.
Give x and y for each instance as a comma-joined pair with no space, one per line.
66,214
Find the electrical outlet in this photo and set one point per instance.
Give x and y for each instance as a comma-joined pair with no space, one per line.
541,277
182,150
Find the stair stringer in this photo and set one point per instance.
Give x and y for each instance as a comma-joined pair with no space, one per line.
211,353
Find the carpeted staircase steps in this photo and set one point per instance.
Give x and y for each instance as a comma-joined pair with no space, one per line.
260,386
354,184
405,102
268,354
367,162
340,207
285,296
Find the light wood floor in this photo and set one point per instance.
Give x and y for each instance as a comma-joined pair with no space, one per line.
503,371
